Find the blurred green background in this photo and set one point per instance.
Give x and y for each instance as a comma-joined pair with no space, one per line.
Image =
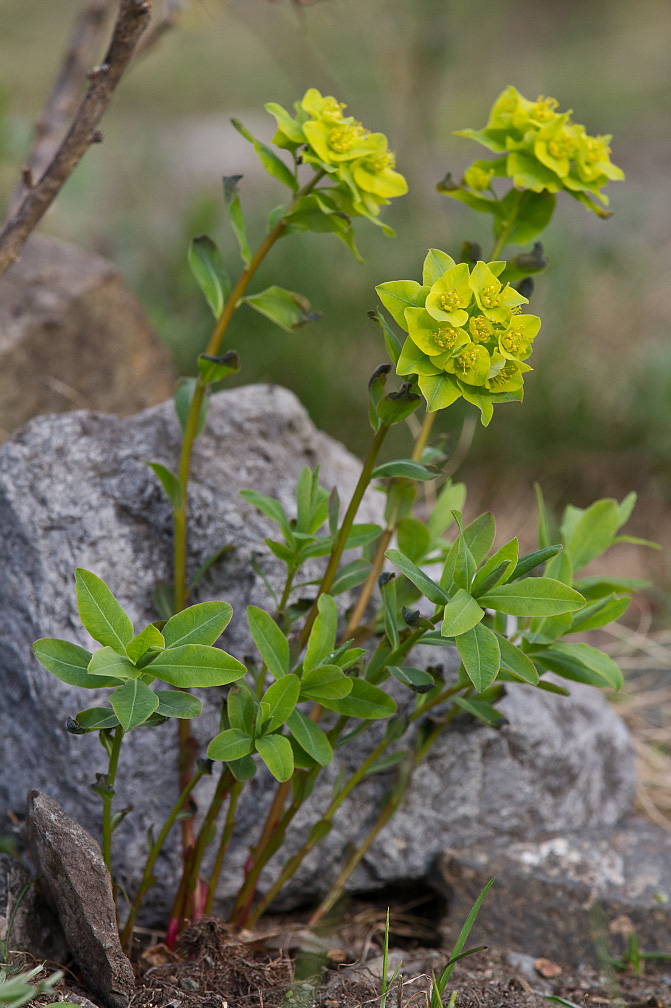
597,413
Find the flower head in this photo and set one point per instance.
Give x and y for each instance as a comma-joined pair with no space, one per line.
466,336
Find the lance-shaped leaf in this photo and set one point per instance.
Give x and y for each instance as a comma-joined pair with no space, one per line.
415,574
582,663
175,703
69,663
107,663
407,468
323,634
328,682
268,158
184,392
277,754
531,560
100,612
535,596
479,536
451,498
281,698
214,369
592,533
482,710
364,701
241,706
310,737
285,308
516,661
169,482
480,654
606,610
414,538
376,387
94,719
208,269
199,624
196,665
231,744
133,703
397,406
387,585
460,615
391,340
148,638
232,201
418,680
269,639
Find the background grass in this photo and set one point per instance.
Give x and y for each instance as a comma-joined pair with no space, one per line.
597,413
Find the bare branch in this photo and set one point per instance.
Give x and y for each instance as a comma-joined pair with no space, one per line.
131,21
65,96
166,22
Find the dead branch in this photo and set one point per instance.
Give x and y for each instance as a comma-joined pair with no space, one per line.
131,21
65,95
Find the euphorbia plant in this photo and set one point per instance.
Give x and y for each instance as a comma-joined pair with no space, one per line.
319,680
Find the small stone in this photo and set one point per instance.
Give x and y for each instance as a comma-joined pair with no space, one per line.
622,925
158,955
75,880
547,968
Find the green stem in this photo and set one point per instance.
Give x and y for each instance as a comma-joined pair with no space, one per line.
107,800
147,879
507,227
226,835
225,784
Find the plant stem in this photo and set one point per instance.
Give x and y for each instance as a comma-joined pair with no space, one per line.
225,784
507,227
226,835
107,799
147,880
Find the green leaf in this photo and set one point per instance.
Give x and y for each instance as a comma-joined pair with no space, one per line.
199,624
440,981
107,663
481,710
184,393
277,754
175,703
100,612
241,706
480,654
435,264
281,697
169,482
516,661
270,161
365,701
451,498
403,467
391,340
68,662
232,201
551,687
243,769
598,614
418,680
502,562
321,641
387,585
534,213
397,406
543,533
231,744
421,580
464,564
196,665
535,596
148,638
527,562
563,658
310,737
559,567
268,506
96,718
285,308
215,368
413,538
460,615
270,641
397,295
328,682
351,575
133,703
164,599
479,536
597,586
593,532
208,269
625,508
361,535
387,761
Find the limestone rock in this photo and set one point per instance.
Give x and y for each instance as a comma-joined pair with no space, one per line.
76,882
34,926
75,492
72,335
564,894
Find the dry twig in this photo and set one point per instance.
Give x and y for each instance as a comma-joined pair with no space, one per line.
131,21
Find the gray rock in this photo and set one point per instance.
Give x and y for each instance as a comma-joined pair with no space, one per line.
72,335
76,882
566,895
34,926
74,492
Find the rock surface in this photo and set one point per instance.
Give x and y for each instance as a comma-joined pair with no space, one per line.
74,492
34,926
76,882
73,336
563,895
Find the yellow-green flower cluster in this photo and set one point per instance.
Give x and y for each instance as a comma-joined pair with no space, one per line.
466,337
544,150
360,161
